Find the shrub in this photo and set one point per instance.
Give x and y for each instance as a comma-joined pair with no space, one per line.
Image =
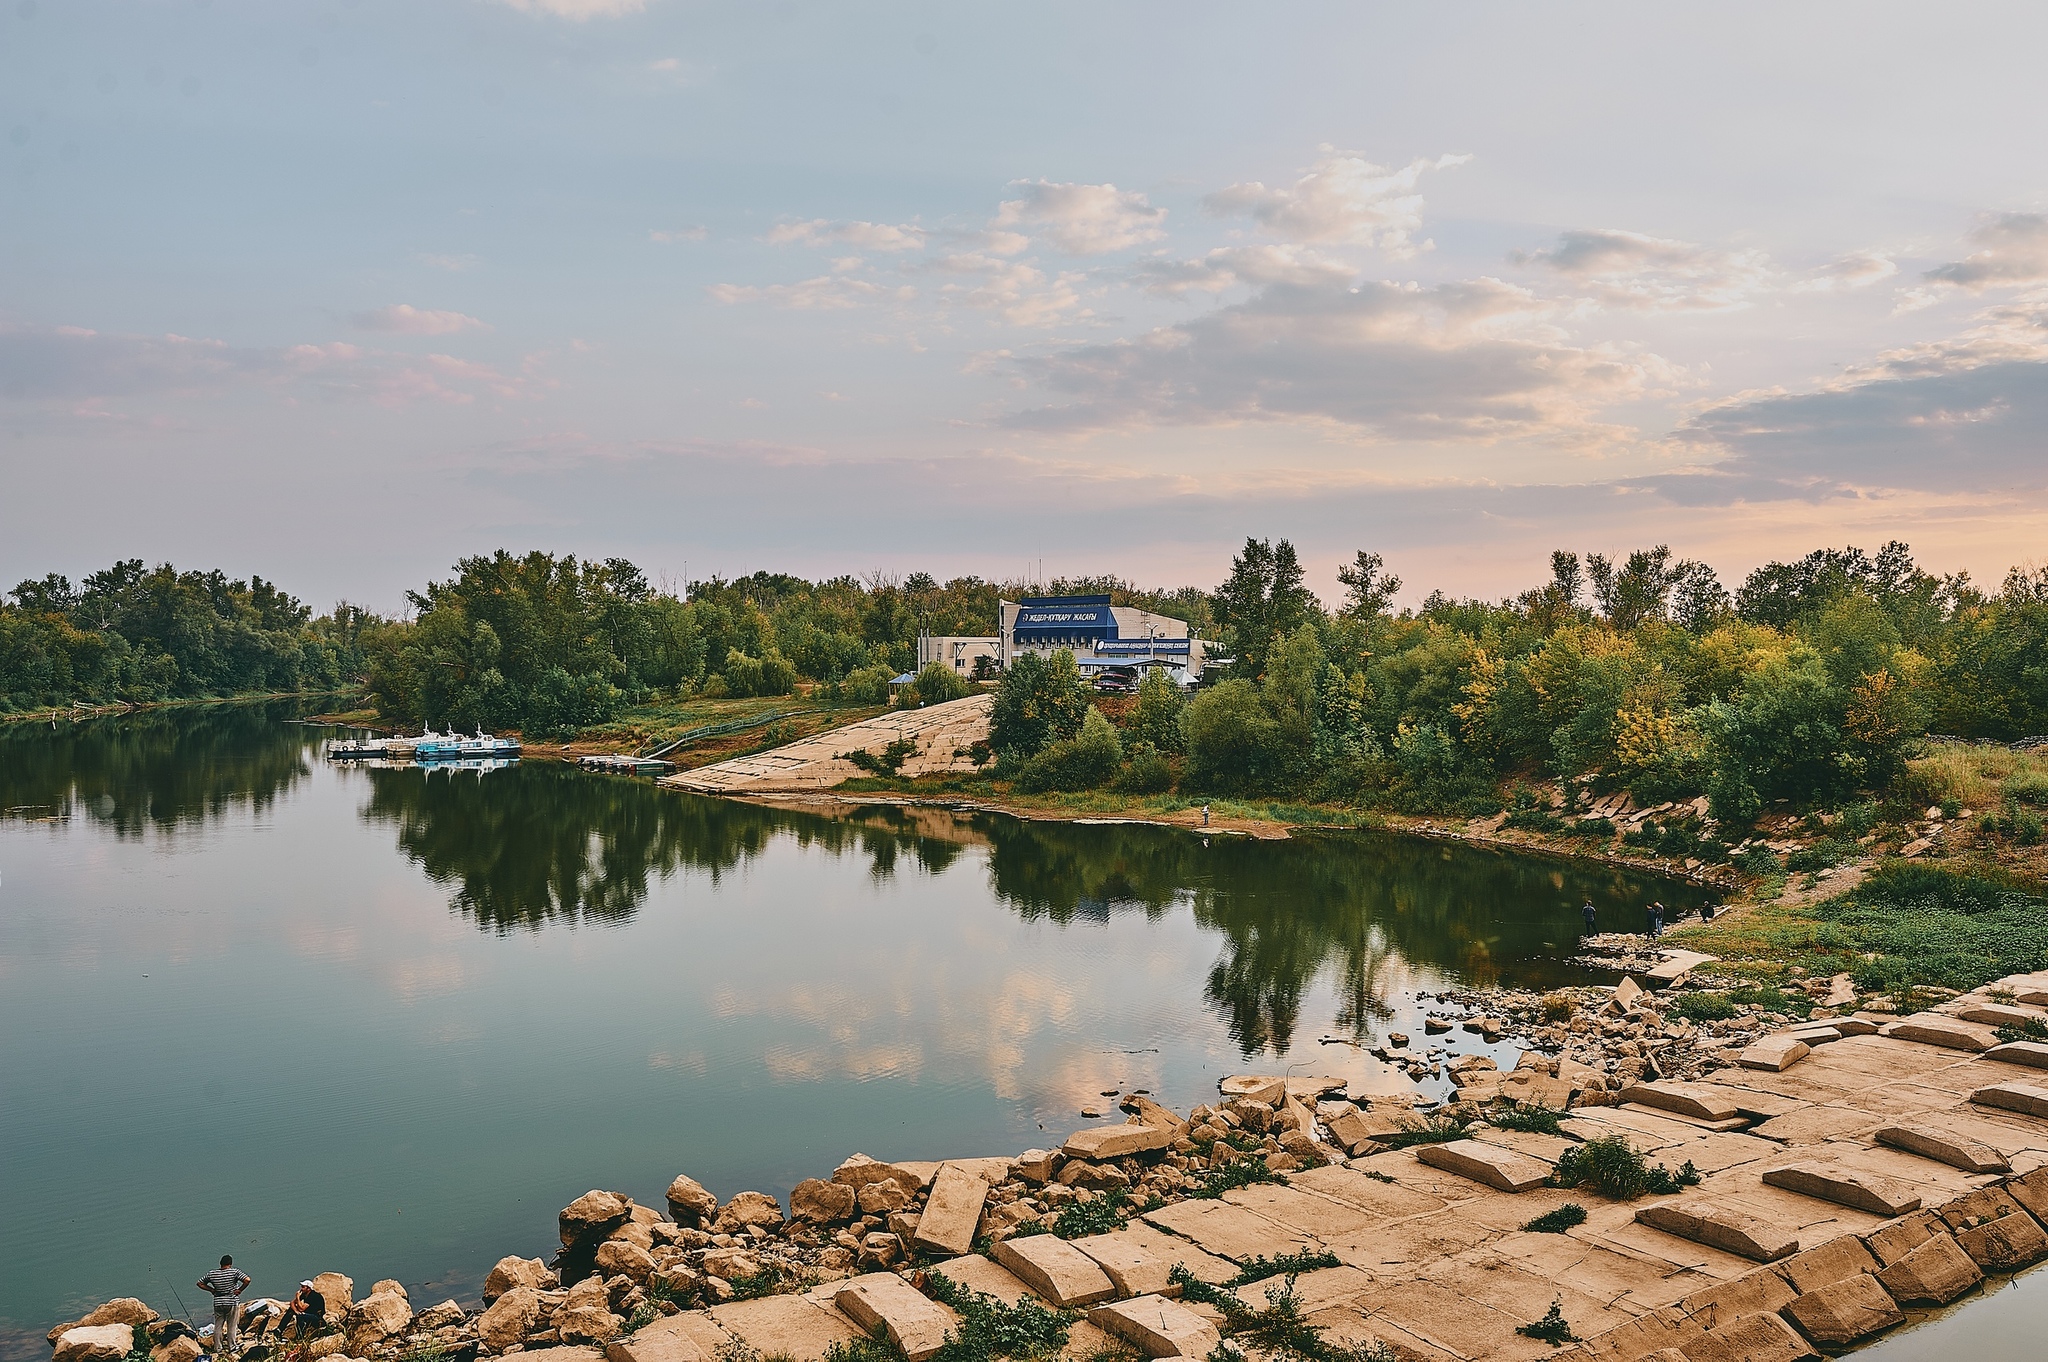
1040,701
866,686
2015,824
936,684
1558,1007
2033,1028
1758,860
1617,1171
1103,1214
1531,1117
1825,854
1552,1328
1026,1331
1080,763
888,762
1434,1130
1701,1007
1558,1221
1147,772
1602,828
2028,789
1228,735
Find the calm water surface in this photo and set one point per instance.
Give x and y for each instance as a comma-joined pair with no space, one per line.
389,1021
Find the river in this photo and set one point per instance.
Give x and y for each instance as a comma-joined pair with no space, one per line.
388,1021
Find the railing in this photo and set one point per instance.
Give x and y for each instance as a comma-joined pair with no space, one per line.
720,730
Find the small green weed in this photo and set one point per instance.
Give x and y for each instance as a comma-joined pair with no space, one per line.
2033,1028
1259,1267
1233,1175
1434,1130
1552,1328
1026,1331
1558,1221
1100,1215
1617,1171
1701,1007
1530,1117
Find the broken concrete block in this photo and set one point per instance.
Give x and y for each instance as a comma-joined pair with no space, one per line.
1158,1327
1498,1167
1844,1311
2031,1053
1750,1338
1935,1273
2005,1244
1057,1272
1113,1142
665,1340
1270,1089
951,1213
1931,1028
1846,1187
1628,992
1774,1053
1812,1269
1997,1014
882,1300
1038,1165
1721,1227
860,1170
2028,1099
1702,1101
1815,1035
1930,1142
1855,1026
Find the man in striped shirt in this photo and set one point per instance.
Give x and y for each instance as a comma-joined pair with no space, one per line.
226,1283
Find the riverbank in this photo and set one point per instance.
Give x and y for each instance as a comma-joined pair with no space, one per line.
1806,1190
80,712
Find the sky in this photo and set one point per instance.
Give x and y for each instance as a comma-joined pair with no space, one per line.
340,292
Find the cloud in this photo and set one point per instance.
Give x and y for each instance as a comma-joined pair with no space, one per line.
1964,414
578,10
1233,265
1341,198
866,236
454,264
823,294
1629,270
2013,250
406,320
66,363
1021,292
1858,269
1474,360
672,235
1082,219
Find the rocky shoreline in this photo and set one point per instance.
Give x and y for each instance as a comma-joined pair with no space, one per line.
620,1266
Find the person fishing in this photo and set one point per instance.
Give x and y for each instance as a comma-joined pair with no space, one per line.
1592,919
226,1284
1656,920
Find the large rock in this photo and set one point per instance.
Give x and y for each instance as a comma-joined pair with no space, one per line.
1844,1311
618,1257
512,1273
511,1317
1934,1273
1951,1033
1056,1271
821,1202
94,1343
587,1324
339,1292
951,1213
689,1203
732,1264
183,1348
860,1170
1775,1054
592,1216
389,1286
1497,1167
440,1316
1721,1227
120,1310
1114,1142
1944,1146
1267,1088
1158,1327
884,1301
376,1317
1846,1186
749,1208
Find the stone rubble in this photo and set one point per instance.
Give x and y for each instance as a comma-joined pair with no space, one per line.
1888,1166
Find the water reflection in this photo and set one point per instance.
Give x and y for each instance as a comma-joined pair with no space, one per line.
166,770
545,843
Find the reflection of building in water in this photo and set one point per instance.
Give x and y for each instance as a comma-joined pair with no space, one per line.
1098,634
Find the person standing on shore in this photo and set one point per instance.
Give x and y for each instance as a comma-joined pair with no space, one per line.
1591,918
1656,920
226,1283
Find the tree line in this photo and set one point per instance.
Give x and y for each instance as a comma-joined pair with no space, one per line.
1815,680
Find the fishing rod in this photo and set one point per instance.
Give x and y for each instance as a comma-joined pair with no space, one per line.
181,1301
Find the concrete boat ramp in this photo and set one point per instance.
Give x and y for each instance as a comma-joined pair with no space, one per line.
942,733
1870,1175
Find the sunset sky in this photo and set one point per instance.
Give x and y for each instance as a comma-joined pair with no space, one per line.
338,292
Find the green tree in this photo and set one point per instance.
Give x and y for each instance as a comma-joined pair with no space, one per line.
1155,718
1083,762
1039,701
1228,735
1263,599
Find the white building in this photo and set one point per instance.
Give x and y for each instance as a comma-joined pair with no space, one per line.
1100,635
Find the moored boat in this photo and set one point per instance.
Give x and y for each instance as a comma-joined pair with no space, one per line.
457,746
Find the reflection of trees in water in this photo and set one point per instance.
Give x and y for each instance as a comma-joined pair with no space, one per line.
162,769
542,842
1369,906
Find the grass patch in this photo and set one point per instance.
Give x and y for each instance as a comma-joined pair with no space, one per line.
1434,1130
1613,1168
1098,1215
1558,1221
1530,1117
2033,1028
1026,1331
1258,1267
1280,1331
1233,1175
1700,1007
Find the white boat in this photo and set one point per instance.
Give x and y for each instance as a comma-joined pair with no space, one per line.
456,746
396,746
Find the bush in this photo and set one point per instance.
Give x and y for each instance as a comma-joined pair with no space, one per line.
885,763
1552,1328
1147,772
1040,701
1531,1117
1701,1007
1026,1331
2015,824
866,686
1228,735
1565,1217
1102,1215
1084,762
1825,854
1758,860
935,685
1617,1171
2028,789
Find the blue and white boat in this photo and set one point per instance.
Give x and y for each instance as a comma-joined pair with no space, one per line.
456,747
